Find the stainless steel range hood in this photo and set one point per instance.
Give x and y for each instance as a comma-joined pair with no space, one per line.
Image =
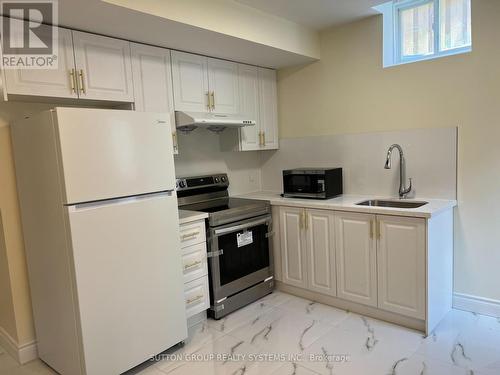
188,121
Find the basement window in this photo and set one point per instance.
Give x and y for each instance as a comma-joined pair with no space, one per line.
416,30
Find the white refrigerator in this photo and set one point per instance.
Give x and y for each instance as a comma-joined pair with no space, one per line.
100,223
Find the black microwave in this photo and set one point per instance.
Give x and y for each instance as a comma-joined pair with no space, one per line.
316,183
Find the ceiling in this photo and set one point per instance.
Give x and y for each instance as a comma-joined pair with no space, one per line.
316,14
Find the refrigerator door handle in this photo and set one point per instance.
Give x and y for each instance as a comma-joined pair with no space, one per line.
116,201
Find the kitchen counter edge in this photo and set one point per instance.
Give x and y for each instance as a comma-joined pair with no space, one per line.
348,203
186,216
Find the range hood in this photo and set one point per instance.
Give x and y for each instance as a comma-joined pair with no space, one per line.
188,121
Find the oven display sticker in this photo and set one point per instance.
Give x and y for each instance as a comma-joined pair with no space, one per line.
245,238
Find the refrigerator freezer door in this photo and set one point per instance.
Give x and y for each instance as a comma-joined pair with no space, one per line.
112,153
128,273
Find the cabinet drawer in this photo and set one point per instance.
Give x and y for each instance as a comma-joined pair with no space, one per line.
196,296
194,262
192,233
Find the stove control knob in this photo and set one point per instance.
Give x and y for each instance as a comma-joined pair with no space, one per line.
223,179
182,184
217,180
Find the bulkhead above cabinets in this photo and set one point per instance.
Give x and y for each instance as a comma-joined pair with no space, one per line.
96,68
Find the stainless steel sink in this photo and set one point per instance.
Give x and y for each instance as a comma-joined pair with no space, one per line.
392,203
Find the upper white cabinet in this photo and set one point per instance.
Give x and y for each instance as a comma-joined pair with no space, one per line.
223,84
259,102
401,265
268,109
190,80
89,67
104,67
308,249
356,257
58,82
203,84
249,137
151,70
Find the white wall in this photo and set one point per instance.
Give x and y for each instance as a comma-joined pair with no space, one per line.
431,161
348,91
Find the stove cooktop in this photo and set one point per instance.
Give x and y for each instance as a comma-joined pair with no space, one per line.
210,194
227,210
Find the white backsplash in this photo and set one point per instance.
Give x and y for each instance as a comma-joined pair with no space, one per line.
199,154
431,160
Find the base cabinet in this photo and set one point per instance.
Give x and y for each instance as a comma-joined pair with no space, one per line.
356,258
394,265
293,253
195,267
307,249
320,241
401,265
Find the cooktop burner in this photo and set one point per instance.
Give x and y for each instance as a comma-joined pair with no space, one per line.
216,205
209,194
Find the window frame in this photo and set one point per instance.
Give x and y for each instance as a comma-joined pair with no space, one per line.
392,24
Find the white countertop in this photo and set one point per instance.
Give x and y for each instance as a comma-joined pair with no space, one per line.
186,216
348,203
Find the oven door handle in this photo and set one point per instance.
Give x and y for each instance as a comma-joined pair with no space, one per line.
236,228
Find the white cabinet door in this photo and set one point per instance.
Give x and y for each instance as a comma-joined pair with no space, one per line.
293,252
190,81
356,257
223,84
268,108
248,77
152,76
401,265
104,67
320,228
57,83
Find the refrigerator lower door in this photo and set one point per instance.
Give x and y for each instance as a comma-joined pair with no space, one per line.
128,272
108,153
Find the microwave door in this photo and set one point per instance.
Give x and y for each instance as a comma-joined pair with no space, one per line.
304,184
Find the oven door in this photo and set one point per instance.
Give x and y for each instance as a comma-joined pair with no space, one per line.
240,256
304,185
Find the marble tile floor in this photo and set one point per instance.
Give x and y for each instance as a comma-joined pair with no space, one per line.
284,335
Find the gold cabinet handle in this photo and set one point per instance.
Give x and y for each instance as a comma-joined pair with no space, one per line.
191,300
371,228
188,236
378,229
260,138
306,220
263,138
301,219
193,264
82,82
72,80
174,141
209,102
213,100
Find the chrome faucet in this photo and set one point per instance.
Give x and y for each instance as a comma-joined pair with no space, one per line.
403,191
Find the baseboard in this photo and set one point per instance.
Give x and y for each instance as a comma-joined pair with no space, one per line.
21,353
475,304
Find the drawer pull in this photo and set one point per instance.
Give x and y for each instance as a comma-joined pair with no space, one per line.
194,299
193,264
190,235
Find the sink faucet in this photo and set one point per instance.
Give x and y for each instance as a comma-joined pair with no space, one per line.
403,191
